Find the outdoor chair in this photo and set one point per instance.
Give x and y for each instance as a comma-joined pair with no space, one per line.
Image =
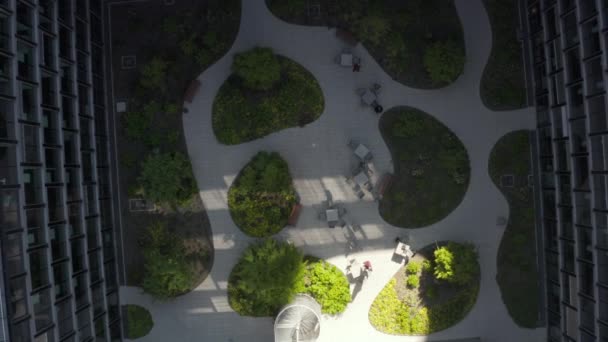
322,216
341,223
341,211
360,194
376,88
356,60
369,157
352,143
349,181
361,91
369,186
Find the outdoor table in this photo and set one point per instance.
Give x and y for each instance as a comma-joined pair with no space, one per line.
403,250
368,97
361,151
361,178
346,59
332,215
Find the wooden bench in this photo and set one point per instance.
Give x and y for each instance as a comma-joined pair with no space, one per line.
386,180
191,91
295,215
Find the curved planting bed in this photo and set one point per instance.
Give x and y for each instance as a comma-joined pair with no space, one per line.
517,272
265,94
434,291
419,43
138,321
431,169
262,196
271,273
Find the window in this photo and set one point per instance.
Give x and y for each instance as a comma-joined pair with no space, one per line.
39,268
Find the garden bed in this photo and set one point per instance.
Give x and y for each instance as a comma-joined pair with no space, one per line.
415,302
396,33
262,196
137,321
517,276
503,84
172,45
431,169
271,273
242,114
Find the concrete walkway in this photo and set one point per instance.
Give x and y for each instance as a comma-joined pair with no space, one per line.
318,159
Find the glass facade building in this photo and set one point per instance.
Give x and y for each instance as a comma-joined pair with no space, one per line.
59,266
567,63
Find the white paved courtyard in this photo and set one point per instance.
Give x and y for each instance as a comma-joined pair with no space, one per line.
319,159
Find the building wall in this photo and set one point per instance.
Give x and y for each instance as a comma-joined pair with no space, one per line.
567,44
58,250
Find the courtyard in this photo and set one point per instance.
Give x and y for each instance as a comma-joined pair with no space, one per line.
319,160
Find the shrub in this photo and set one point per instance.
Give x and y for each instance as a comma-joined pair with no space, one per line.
413,281
444,61
413,267
374,28
167,178
138,322
427,266
154,74
456,263
328,285
259,68
239,116
265,278
262,196
409,127
167,272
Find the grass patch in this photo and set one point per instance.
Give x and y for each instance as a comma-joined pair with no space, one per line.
262,196
502,84
426,305
138,321
271,273
517,272
242,114
431,169
396,33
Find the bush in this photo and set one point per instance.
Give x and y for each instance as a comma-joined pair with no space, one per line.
262,196
265,278
413,267
444,61
374,28
240,116
138,321
409,127
328,285
427,266
413,281
259,68
154,74
456,263
167,272
167,178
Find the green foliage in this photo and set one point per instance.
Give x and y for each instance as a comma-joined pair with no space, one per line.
167,178
432,169
138,322
271,273
456,263
262,196
413,280
240,116
167,272
154,74
427,266
374,28
444,61
413,267
327,284
258,68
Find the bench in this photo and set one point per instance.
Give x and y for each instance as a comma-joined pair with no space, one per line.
386,180
191,91
295,215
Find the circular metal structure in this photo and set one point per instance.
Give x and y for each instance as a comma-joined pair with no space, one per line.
298,321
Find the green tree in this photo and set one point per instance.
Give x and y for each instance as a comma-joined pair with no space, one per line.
259,68
413,281
154,74
167,178
444,61
456,263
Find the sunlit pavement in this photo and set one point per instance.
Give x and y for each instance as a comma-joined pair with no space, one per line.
319,159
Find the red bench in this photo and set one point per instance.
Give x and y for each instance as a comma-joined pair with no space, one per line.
386,180
295,214
191,91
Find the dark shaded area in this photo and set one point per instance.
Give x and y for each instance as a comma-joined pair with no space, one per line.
156,30
517,277
431,169
396,33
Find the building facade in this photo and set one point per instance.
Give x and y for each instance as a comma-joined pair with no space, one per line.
59,265
567,59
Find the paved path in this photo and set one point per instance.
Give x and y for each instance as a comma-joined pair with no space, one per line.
318,159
